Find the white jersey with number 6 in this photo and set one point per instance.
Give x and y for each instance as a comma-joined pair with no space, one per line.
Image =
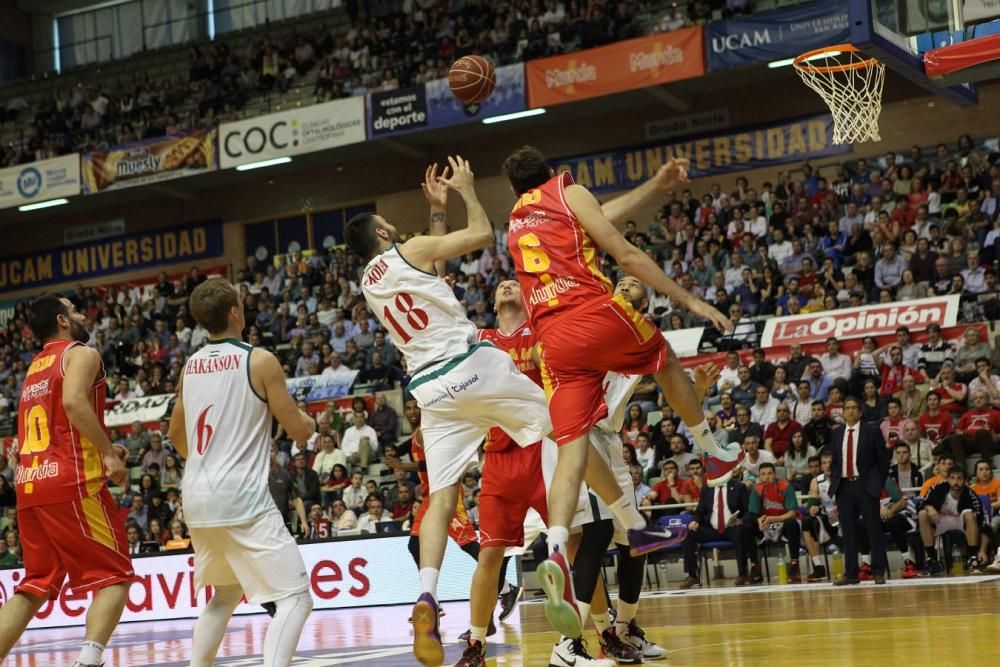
418,309
228,430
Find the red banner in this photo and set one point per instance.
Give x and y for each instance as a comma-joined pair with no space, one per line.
635,63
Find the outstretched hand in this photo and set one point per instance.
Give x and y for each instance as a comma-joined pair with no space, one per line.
462,179
435,191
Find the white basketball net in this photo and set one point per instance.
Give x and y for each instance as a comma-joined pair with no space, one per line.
851,85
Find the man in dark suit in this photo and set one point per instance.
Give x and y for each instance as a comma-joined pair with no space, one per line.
718,517
860,466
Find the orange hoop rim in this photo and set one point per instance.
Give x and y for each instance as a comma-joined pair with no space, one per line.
800,61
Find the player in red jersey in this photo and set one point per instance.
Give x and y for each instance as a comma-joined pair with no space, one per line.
68,520
556,230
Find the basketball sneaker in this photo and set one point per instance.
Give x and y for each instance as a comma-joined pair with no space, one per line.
933,568
910,570
654,538
556,580
613,647
818,574
994,567
573,653
473,656
637,638
719,468
426,633
508,602
865,573
467,635
972,566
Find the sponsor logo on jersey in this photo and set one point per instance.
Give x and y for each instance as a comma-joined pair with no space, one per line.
33,391
552,290
45,470
465,384
41,363
530,221
224,362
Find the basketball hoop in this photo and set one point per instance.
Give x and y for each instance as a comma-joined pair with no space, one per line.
851,85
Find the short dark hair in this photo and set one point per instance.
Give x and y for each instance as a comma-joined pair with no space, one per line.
359,234
855,400
211,302
42,314
902,444
766,464
526,168
813,459
956,470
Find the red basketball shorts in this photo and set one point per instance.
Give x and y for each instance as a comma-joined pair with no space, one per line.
512,483
581,347
84,539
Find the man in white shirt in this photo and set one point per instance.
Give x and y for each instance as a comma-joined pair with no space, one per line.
835,365
376,515
730,375
974,275
359,441
780,248
764,411
755,456
328,457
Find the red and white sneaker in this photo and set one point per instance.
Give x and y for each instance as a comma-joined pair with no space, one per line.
556,580
865,573
910,570
719,469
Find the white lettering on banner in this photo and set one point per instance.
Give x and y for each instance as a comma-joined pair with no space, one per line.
38,181
582,73
862,321
743,40
293,132
146,409
348,573
314,388
690,124
642,61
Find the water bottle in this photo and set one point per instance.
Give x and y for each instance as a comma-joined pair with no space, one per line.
957,568
837,565
782,570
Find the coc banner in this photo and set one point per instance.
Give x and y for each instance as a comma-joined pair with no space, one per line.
40,181
877,320
314,388
443,108
634,63
341,573
149,161
750,148
301,130
777,34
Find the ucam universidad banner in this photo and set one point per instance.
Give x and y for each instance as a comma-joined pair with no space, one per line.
149,161
776,34
876,320
191,242
293,132
634,63
750,148
361,572
444,108
40,181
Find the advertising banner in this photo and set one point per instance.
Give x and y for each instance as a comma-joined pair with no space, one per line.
876,320
682,126
443,108
149,161
342,573
737,150
323,387
397,111
191,242
40,181
145,410
777,34
293,132
634,63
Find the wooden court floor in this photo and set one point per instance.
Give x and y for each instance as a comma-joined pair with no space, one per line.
940,622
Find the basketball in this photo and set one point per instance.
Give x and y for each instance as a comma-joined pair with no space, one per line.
472,79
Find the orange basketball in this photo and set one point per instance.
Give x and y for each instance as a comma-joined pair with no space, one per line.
472,79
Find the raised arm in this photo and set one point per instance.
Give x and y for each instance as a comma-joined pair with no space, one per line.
82,366
424,251
268,382
634,261
436,194
621,208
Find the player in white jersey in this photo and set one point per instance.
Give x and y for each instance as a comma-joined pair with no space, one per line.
463,388
221,424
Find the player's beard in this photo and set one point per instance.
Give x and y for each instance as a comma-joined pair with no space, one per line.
78,332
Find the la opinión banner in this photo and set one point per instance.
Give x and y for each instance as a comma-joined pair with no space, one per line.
750,148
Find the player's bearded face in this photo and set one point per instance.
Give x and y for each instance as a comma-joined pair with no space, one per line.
631,289
77,327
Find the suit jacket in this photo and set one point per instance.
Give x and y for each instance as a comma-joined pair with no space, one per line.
872,457
917,405
737,498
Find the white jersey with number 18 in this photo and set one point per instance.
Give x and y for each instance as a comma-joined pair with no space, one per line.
418,309
228,429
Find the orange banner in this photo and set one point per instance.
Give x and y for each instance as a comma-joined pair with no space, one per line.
635,63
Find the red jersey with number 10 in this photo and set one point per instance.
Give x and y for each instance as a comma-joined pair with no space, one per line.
57,464
556,260
520,345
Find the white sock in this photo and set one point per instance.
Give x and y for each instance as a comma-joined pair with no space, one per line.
429,580
866,559
584,608
91,653
210,628
477,635
285,629
626,612
626,512
601,621
818,560
908,555
558,537
704,439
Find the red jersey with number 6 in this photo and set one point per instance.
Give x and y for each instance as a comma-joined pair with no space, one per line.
557,262
57,464
520,345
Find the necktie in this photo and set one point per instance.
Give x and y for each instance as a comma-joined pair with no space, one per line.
850,452
721,498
